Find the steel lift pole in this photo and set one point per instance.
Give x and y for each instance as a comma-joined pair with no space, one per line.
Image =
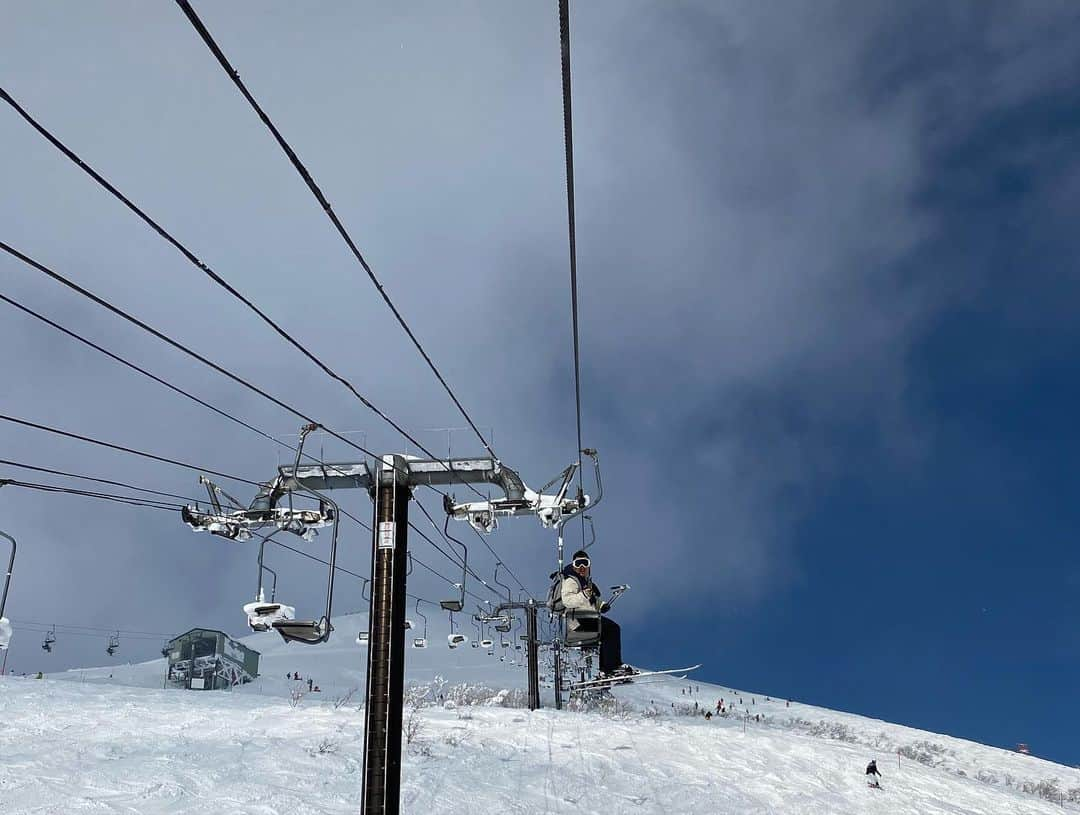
532,641
3,597
390,483
386,646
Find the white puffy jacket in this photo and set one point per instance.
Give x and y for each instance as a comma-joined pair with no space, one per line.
574,597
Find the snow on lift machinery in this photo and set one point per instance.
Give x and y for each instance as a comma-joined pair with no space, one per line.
454,638
50,638
420,642
551,509
482,619
114,643
262,614
238,524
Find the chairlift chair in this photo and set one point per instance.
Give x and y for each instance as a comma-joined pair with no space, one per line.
114,643
50,638
313,632
262,614
420,642
454,639
456,603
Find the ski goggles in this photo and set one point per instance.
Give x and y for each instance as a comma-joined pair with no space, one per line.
582,561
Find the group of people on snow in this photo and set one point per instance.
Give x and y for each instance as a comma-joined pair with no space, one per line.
311,686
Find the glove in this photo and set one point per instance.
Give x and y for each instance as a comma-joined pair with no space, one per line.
605,608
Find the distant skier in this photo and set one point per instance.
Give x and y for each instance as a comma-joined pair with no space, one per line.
873,775
579,592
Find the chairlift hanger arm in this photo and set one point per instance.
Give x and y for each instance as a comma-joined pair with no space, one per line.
551,509
265,509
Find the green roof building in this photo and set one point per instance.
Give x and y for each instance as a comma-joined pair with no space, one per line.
205,659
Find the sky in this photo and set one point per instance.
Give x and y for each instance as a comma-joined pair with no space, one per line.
828,279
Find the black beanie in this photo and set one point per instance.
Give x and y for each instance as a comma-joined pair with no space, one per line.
579,553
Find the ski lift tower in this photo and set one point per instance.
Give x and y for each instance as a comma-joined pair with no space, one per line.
5,625
390,481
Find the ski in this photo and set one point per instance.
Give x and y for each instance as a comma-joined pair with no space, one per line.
615,680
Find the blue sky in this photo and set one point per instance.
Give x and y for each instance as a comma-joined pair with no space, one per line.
828,281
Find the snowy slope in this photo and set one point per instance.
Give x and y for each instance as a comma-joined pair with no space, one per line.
95,745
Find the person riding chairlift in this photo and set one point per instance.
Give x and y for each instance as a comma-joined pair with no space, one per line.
579,592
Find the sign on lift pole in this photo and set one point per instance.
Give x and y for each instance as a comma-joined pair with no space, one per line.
386,644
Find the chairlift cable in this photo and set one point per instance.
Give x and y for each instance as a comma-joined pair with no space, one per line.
7,463
110,629
121,448
104,496
354,574
187,253
234,75
568,140
156,378
190,256
498,560
452,558
178,346
141,370
43,629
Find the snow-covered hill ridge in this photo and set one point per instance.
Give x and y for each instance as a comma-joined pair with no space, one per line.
94,744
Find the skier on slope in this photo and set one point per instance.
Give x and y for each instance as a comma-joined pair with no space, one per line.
874,775
579,592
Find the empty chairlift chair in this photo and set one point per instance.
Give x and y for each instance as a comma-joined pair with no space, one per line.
313,632
454,639
262,614
420,642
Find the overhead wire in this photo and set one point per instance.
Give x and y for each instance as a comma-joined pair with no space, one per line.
192,258
176,344
145,503
160,380
140,369
111,482
234,75
187,253
123,449
43,628
568,140
453,557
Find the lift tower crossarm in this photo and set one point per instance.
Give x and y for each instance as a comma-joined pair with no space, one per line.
418,472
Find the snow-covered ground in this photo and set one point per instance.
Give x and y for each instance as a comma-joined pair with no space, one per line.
82,742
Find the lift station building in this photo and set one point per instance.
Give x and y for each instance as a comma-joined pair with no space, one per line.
205,659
